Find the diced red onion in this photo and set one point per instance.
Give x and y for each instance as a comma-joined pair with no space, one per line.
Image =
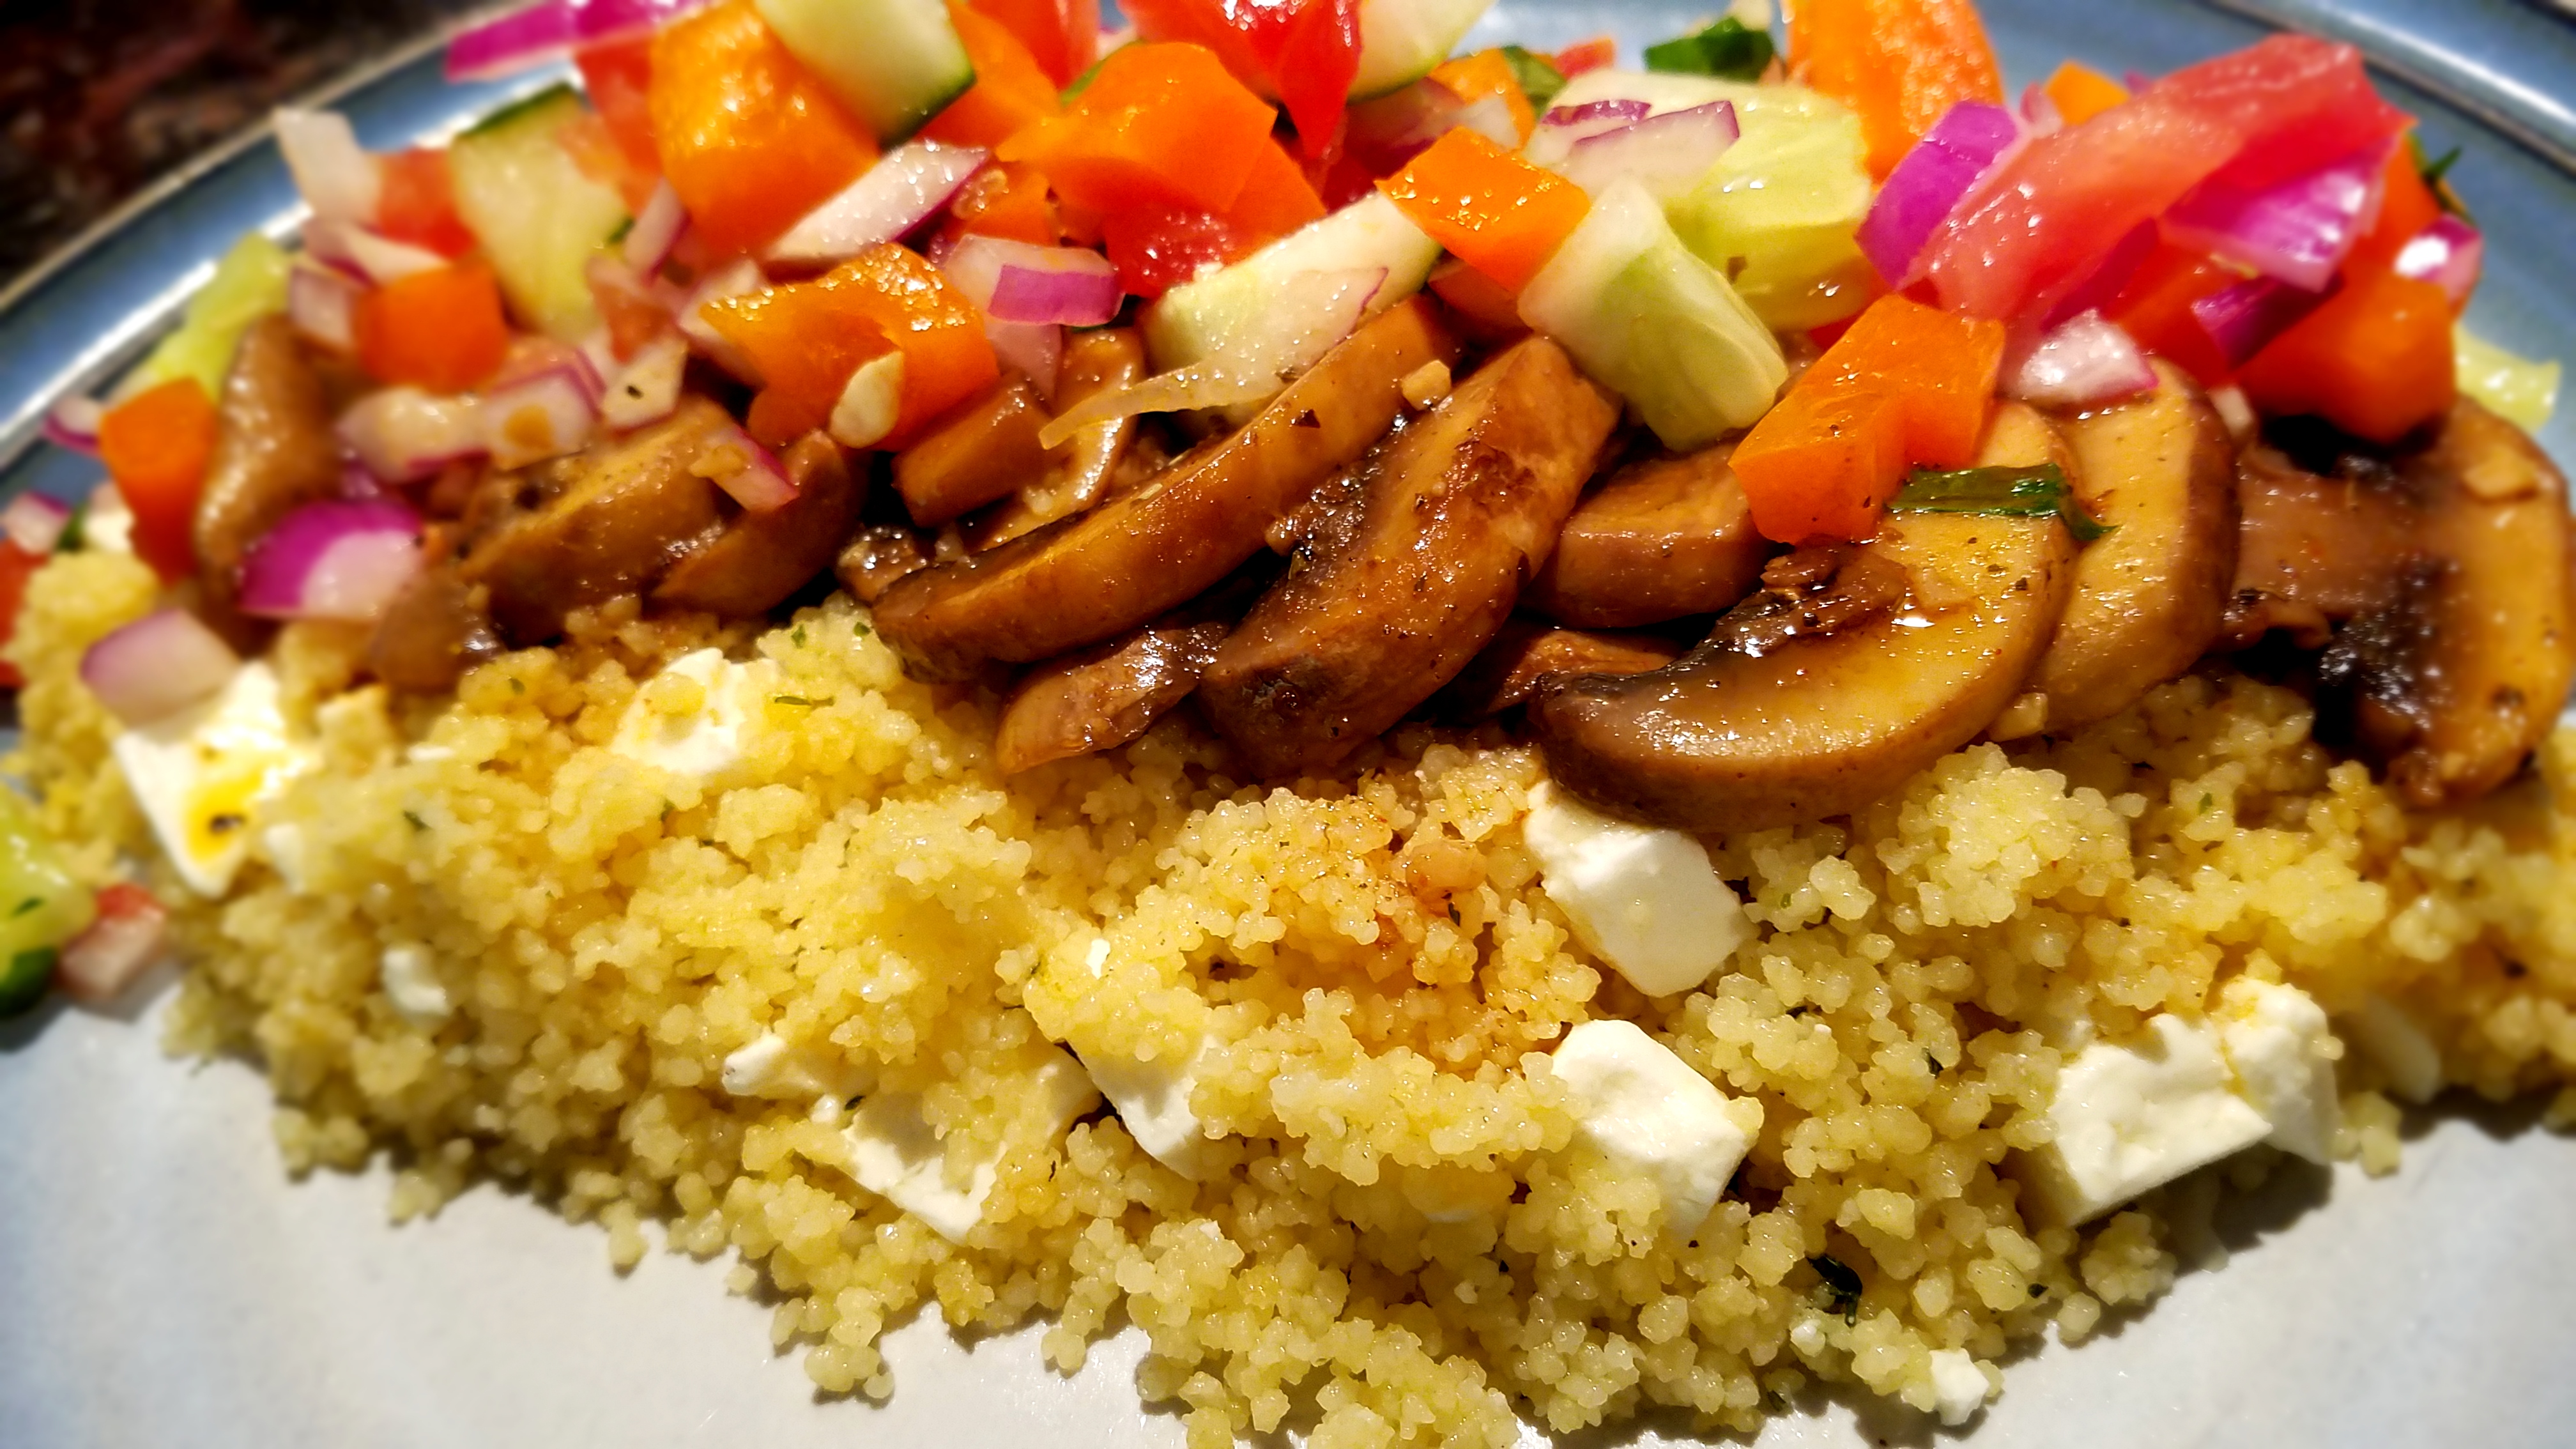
656,230
736,462
1070,285
157,665
1392,129
2298,231
2039,113
118,947
524,38
73,423
1666,154
647,388
2084,362
905,188
542,416
974,267
323,305
734,279
340,558
335,175
534,355
403,434
2449,253
2243,317
352,249
1620,111
1930,182
35,522
358,481
1558,130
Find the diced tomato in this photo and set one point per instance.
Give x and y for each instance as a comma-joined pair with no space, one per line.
1157,246
2080,92
1898,63
2155,310
155,445
1490,313
627,305
1494,211
418,203
1305,52
1906,386
1489,73
120,943
2054,210
808,337
2406,207
619,76
1158,123
17,565
2375,360
1063,36
596,150
749,139
1010,92
442,330
1585,55
1004,201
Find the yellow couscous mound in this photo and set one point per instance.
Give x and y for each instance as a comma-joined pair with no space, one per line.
1396,1235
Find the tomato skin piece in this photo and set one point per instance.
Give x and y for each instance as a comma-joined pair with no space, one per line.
1160,121
2155,310
1061,36
1488,207
618,75
2375,360
17,565
1011,90
749,138
1157,246
1305,52
417,203
442,330
1585,55
155,445
2293,102
1484,309
1899,64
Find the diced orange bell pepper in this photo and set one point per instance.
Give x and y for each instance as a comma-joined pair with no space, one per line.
1158,123
2406,207
1489,73
17,565
1905,386
2375,360
442,330
1899,63
1494,211
155,445
808,337
2080,92
1585,55
2155,310
417,203
1004,201
1062,36
1010,92
748,137
618,74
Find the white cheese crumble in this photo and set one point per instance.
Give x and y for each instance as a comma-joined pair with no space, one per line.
1645,900
2133,1116
1958,1385
1153,1100
410,977
699,741
2406,1056
2277,1040
202,774
1648,1112
896,1154
773,1067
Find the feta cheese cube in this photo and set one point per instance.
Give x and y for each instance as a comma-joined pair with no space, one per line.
1649,1112
896,1154
1645,900
2406,1055
2129,1117
2283,1053
1958,1386
410,977
1153,1100
704,740
201,775
771,1066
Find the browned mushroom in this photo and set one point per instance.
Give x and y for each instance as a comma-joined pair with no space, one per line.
983,449
1526,651
438,627
877,557
759,559
1097,574
1455,514
275,452
1094,362
2315,550
1101,697
1776,720
1660,539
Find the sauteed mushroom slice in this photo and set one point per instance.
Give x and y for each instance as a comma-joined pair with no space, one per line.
1526,651
1456,513
2149,595
275,453
1745,732
1097,574
879,555
2314,550
1094,362
1662,538
1101,697
434,630
759,559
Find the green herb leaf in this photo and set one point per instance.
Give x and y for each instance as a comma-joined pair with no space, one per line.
862,630
1729,48
75,535
417,823
798,638
518,685
1538,76
2436,171
26,979
798,700
2001,492
1841,1282
29,904
619,235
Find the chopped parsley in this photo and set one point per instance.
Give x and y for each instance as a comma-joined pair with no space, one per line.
1538,76
798,700
2436,171
416,822
1841,1282
75,534
1729,48
29,904
798,638
2002,492
862,629
518,685
25,980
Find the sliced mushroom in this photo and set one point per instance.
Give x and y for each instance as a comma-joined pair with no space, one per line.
2315,550
1097,574
1660,539
1753,729
1526,651
1094,362
603,522
983,449
1456,514
1100,698
759,559
275,453
434,630
2149,595
879,555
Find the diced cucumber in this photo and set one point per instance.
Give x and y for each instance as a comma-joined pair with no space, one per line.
1779,210
1229,310
537,215
1655,324
1401,40
248,284
894,63
41,906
